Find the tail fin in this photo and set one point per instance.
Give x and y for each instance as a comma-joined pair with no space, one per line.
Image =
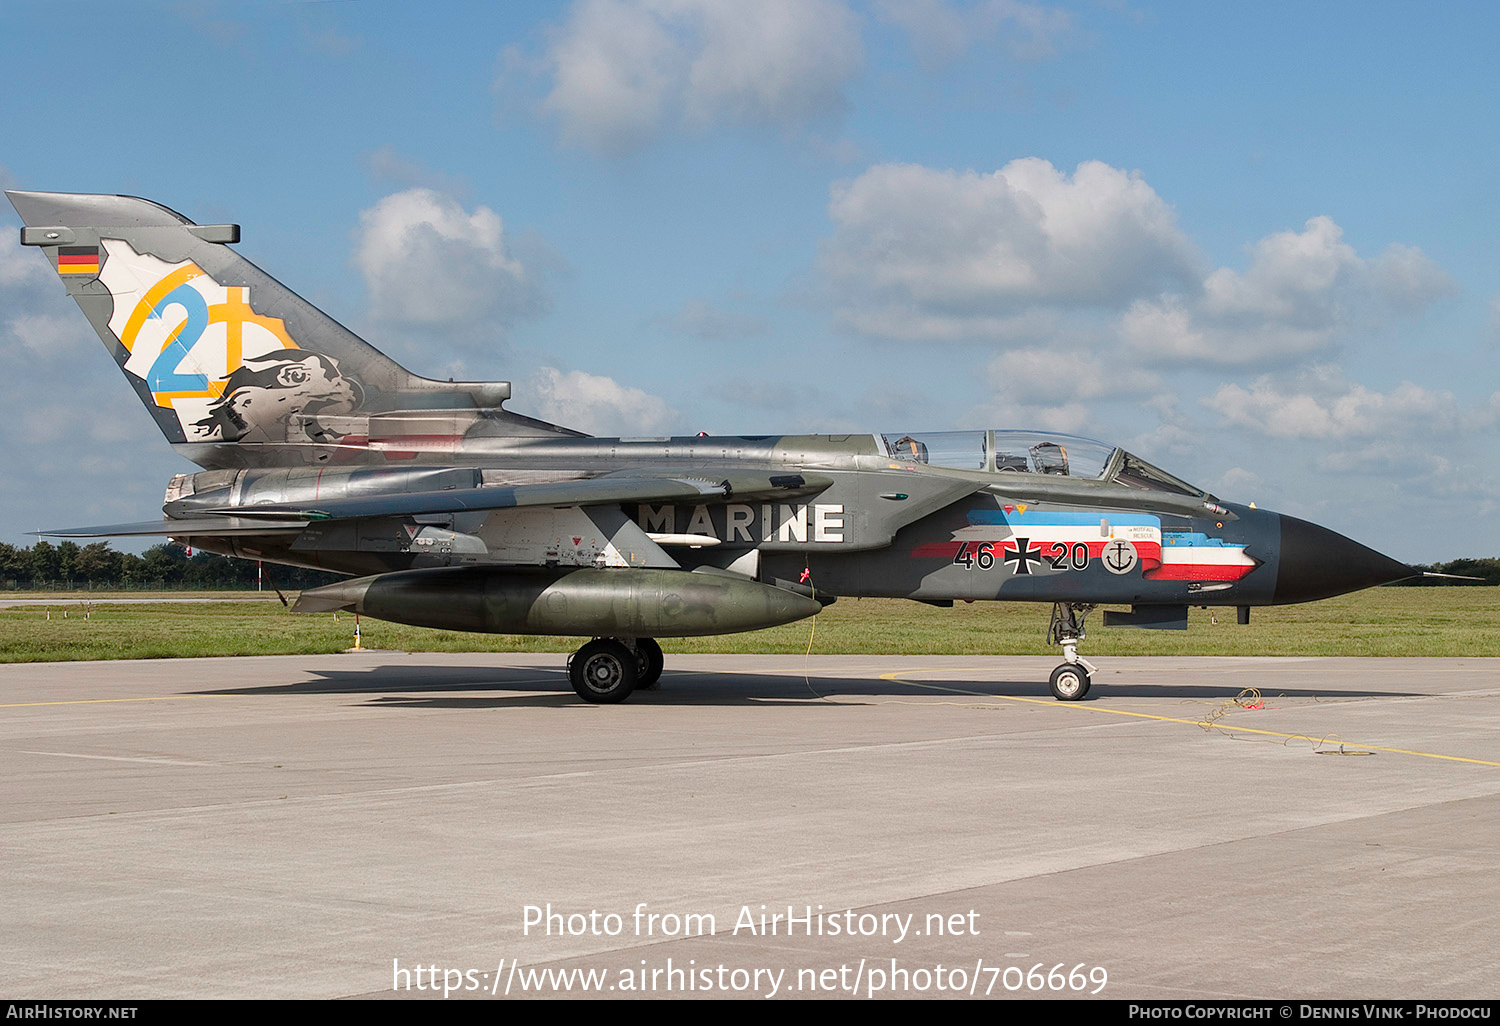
236,368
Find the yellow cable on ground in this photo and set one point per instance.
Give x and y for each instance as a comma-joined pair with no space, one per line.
1230,731
807,673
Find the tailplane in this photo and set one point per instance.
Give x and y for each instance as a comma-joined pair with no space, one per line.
236,368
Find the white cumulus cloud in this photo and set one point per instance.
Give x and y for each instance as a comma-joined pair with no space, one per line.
949,254
17,265
1492,322
1409,281
1303,291
1321,406
623,70
55,336
1237,481
429,262
941,31
595,404
1064,374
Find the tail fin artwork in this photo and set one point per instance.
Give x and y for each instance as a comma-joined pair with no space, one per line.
237,369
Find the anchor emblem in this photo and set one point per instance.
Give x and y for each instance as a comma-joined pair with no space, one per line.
1120,557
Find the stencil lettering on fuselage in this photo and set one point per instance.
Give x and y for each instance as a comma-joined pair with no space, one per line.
738,522
565,537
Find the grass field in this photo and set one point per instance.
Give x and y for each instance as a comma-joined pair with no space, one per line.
1380,622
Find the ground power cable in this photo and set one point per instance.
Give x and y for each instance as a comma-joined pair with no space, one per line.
819,696
1247,698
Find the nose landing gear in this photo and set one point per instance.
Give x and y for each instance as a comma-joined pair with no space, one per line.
1070,682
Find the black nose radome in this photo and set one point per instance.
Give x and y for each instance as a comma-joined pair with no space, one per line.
1317,563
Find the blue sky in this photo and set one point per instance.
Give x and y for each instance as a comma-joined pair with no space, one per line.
1255,243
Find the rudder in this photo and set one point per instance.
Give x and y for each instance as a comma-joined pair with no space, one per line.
226,358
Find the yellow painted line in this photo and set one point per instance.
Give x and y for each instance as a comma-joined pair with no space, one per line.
896,678
108,701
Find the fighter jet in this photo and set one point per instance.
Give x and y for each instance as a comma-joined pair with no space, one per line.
454,512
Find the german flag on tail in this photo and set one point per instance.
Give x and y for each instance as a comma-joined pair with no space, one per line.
78,260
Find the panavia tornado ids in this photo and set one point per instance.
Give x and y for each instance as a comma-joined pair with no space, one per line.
454,512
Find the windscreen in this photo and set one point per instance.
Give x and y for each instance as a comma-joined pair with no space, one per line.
1135,472
1033,452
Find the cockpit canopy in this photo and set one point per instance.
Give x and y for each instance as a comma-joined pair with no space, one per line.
1034,452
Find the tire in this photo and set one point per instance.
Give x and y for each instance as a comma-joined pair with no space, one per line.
603,671
650,663
1070,683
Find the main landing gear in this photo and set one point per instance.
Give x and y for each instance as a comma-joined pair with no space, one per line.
607,670
1070,681
651,661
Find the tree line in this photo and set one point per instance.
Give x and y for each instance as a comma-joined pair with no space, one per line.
1487,570
96,566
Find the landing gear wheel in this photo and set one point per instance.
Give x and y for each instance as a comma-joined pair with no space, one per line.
650,661
603,671
1070,683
